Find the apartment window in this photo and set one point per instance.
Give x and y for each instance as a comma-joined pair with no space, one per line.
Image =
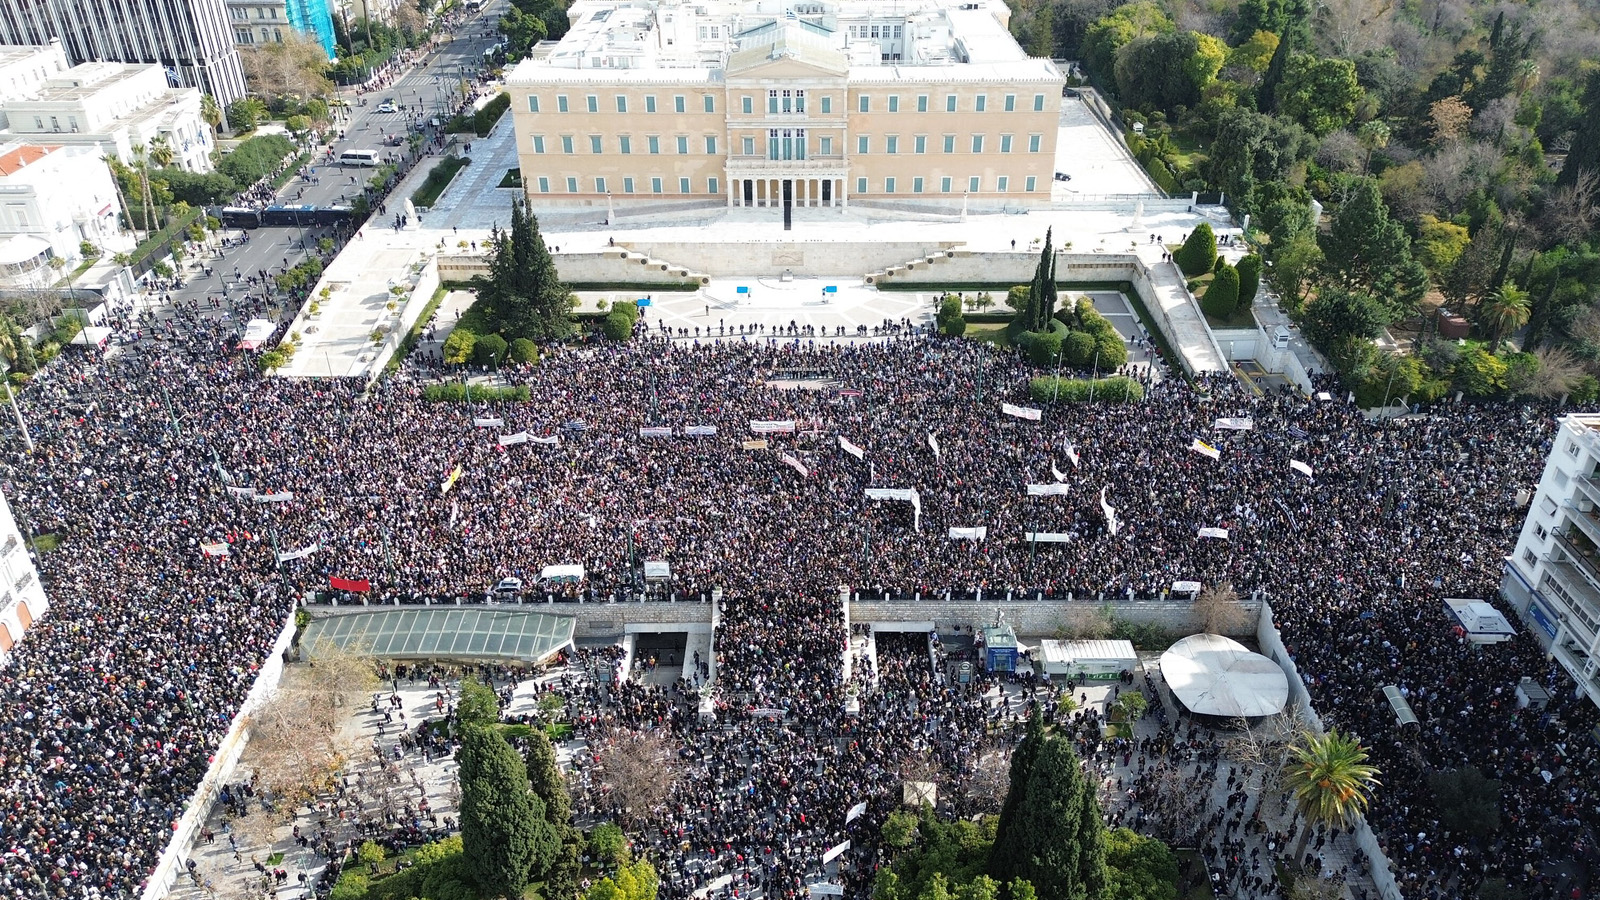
683,145
594,143
1548,505
655,185
572,184
892,144
1033,143
683,185
919,144
711,186
1572,447
916,185
566,143
710,106
1540,532
861,185
677,103
544,184
1011,103
861,143
981,103
533,103
1529,557
711,145
949,102
977,143
827,105
1030,183
949,143
894,103
622,103
654,144
972,184
1001,183
1005,143
749,146
1038,103
593,103
944,184
864,104
888,185
561,103
746,106
538,143
922,103
827,146
650,103
625,144
627,185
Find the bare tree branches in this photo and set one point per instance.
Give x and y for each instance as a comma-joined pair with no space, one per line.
1218,611
638,768
1571,212
984,788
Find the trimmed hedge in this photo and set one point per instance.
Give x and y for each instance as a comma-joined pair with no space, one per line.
456,392
1116,389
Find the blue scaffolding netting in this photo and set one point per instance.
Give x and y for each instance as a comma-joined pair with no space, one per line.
313,19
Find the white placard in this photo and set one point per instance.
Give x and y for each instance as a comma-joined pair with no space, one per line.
1299,466
795,464
302,553
856,812
218,549
1219,533
1234,423
279,497
834,852
699,430
488,422
1205,449
851,449
508,440
1112,524
1046,537
655,432
1021,412
774,426
970,534
1048,490
933,444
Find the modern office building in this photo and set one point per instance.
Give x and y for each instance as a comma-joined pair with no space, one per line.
257,22
114,106
787,103
190,39
1553,575
22,598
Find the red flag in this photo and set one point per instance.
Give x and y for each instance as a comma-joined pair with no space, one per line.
360,585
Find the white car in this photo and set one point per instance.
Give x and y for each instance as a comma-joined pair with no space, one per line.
386,106
508,587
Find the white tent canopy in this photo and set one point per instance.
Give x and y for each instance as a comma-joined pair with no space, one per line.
1217,676
1088,658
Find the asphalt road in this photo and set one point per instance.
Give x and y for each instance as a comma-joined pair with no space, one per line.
429,87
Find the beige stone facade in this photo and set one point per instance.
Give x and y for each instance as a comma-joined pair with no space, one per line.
768,104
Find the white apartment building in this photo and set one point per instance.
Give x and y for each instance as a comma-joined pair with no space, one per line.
787,103
22,598
1553,575
116,106
52,199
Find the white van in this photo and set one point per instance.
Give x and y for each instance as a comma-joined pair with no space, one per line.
359,158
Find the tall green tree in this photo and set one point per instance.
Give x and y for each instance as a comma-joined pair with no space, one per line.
1005,860
1058,832
1321,93
523,293
1330,779
1221,299
544,773
1040,304
1366,250
1585,153
1249,278
478,704
1141,868
1198,254
1338,314
504,834
1267,90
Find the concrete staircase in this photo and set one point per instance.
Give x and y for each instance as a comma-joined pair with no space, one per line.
918,269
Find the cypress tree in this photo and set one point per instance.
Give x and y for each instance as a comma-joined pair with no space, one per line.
1059,832
545,776
1267,91
1004,857
503,829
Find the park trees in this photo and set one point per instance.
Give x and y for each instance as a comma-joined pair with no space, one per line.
1367,251
637,768
1199,251
504,833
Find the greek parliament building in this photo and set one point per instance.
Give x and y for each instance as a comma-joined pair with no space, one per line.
791,103
1553,576
191,39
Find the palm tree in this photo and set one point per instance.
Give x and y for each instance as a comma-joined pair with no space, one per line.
161,152
1506,310
1373,135
1330,780
210,112
1527,75
141,164
122,201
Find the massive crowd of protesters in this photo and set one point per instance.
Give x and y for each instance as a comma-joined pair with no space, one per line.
166,594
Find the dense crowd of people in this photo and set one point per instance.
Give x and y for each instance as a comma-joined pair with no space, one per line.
171,478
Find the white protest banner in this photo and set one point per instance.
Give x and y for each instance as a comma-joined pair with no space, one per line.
769,712
762,426
1072,454
1205,449
302,553
455,511
795,464
548,441
1056,473
242,491
699,430
656,432
824,889
1021,412
908,494
1234,423
279,497
219,549
1046,537
488,422
1299,466
856,812
1220,533
754,445
508,440
835,852
933,443
851,449
970,534
1048,490
1112,525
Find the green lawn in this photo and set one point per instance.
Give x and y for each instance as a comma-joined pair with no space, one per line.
44,543
988,332
512,179
438,180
